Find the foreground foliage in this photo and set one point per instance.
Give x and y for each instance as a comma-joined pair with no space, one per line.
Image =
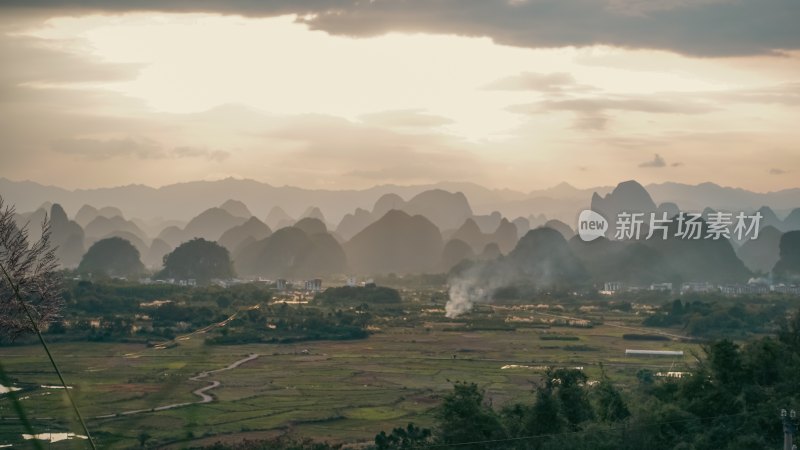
731,400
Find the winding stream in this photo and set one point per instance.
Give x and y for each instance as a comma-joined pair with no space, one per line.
201,392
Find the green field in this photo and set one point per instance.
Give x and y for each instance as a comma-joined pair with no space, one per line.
340,391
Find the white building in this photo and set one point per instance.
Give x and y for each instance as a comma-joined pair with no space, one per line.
630,352
694,286
664,287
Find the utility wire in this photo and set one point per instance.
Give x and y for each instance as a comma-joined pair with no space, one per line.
15,288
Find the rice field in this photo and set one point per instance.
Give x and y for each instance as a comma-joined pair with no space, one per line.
339,391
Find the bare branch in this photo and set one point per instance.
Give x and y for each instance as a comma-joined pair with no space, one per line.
31,271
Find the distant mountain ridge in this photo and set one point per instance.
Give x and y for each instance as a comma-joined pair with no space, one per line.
432,230
183,201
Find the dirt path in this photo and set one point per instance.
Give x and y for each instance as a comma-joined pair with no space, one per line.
201,392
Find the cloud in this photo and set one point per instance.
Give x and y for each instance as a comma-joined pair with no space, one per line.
656,162
647,104
405,118
591,121
37,60
634,142
787,94
141,148
94,149
701,28
200,152
541,82
592,112
336,146
90,134
776,171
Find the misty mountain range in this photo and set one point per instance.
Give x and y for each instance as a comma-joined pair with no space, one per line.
431,231
185,200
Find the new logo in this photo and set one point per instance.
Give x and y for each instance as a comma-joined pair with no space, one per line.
591,225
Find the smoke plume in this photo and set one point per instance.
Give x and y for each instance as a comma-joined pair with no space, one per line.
542,259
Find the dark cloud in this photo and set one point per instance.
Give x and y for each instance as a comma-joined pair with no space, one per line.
701,27
776,171
656,162
405,118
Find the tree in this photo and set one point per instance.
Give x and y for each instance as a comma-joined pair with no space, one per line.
544,417
407,438
726,364
463,418
573,400
113,257
610,405
198,259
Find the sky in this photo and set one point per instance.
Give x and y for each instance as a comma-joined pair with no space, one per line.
334,94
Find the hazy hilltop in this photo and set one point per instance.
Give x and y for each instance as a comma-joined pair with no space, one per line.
33,220
236,208
446,210
628,262
434,230
311,225
278,218
505,235
154,258
697,197
236,236
212,223
291,252
455,252
543,257
88,213
761,255
102,226
396,243
182,201
627,196
67,237
788,266
354,222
